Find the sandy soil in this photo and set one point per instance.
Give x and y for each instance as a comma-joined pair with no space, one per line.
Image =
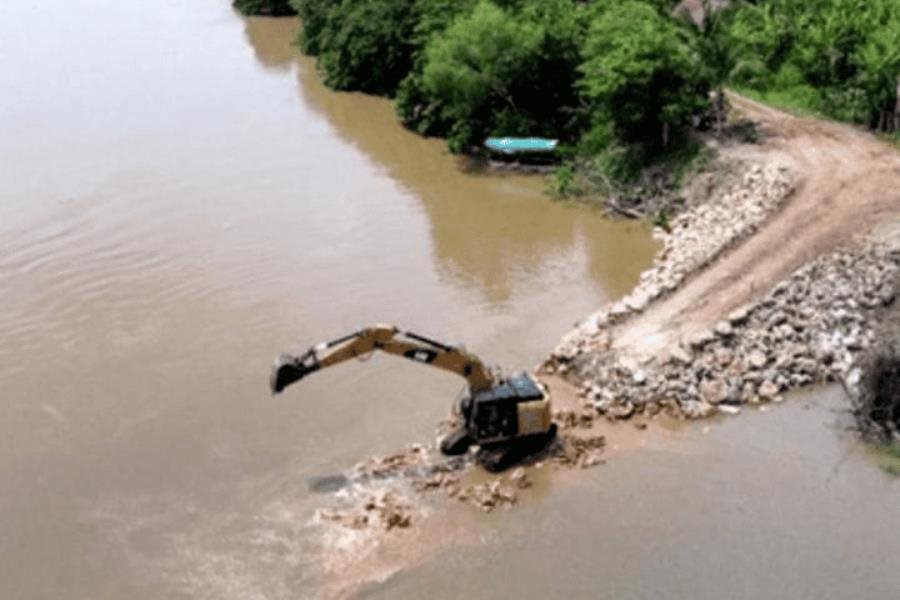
849,182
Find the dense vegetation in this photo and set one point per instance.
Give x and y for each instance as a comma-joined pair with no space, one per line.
272,8
458,68
877,404
469,69
621,83
840,58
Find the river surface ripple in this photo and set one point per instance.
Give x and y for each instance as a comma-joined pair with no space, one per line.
181,199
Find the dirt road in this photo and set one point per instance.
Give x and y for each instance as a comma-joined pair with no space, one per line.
848,182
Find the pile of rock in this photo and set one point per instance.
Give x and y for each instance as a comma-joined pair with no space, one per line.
581,451
697,237
417,469
379,490
809,328
385,510
414,460
488,495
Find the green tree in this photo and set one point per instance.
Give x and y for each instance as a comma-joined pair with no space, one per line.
643,72
557,100
417,108
368,48
507,71
759,38
878,64
361,44
314,18
473,67
839,57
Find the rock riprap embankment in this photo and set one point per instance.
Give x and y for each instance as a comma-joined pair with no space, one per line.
809,328
700,234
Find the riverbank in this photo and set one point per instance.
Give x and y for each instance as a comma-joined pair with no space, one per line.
810,328
725,318
164,277
763,284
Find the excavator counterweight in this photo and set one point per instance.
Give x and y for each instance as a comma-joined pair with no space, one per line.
507,418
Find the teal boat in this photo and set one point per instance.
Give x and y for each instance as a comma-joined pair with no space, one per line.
513,145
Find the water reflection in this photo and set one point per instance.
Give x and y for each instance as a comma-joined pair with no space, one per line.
186,237
272,40
486,228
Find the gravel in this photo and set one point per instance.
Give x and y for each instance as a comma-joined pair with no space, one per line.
809,328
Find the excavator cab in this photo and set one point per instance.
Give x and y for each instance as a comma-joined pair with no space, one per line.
507,419
516,407
508,422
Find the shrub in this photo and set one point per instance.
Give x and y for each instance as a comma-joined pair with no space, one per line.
361,44
314,17
473,69
369,49
878,399
417,108
561,183
504,71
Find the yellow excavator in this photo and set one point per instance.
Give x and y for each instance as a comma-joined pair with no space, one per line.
507,418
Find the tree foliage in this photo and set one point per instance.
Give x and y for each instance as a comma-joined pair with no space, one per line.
643,72
361,44
418,108
605,75
497,69
475,67
314,17
840,57
468,69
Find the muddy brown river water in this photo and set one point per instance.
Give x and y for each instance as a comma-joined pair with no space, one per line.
181,199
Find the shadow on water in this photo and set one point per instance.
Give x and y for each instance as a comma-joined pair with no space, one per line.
484,226
327,484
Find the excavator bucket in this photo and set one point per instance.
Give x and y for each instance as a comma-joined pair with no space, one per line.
288,369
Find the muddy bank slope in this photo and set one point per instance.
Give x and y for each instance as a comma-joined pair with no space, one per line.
810,189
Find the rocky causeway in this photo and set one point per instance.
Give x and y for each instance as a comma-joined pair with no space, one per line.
809,328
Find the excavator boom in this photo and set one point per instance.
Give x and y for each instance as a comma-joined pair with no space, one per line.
507,418
387,338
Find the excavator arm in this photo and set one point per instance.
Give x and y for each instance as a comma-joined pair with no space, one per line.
387,338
